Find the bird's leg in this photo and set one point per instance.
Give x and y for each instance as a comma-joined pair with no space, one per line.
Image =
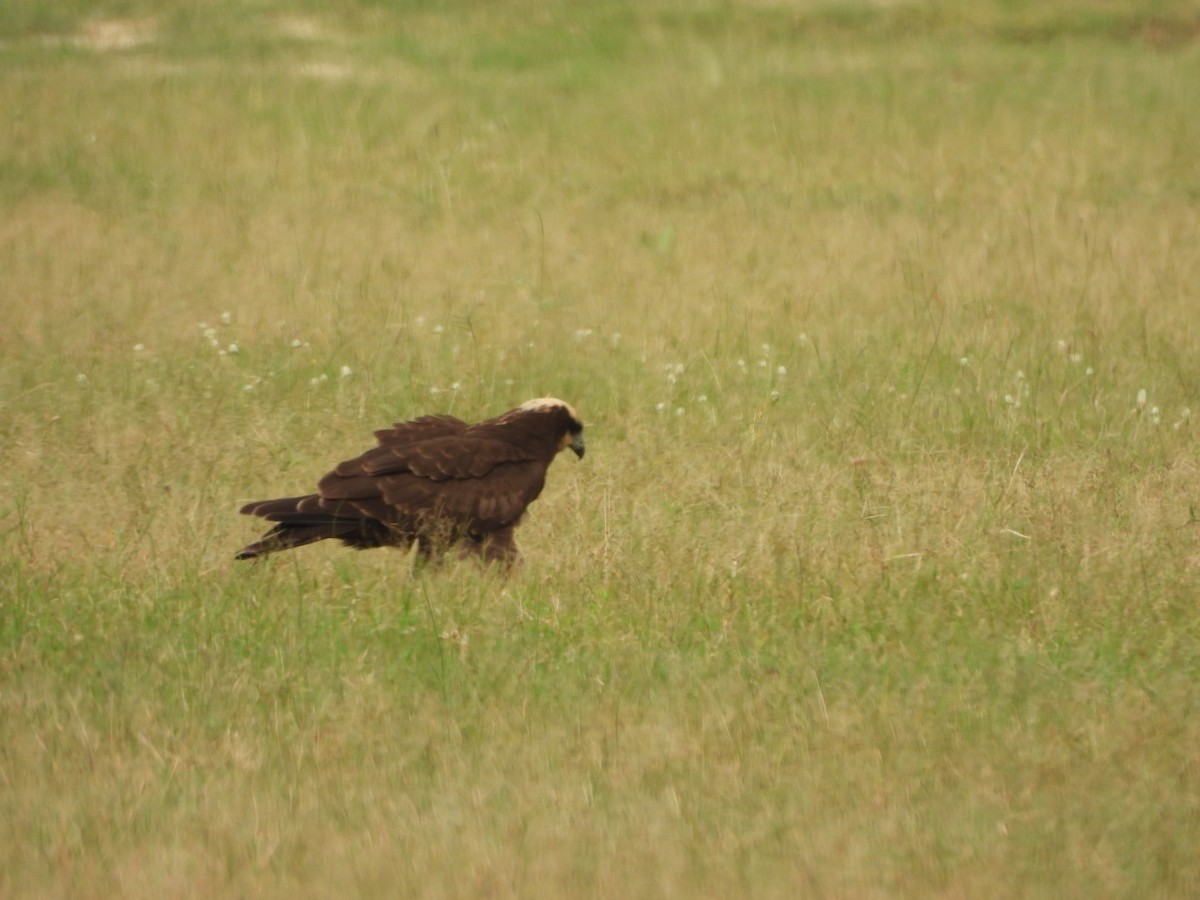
497,547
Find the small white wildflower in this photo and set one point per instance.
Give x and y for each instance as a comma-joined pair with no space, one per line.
247,387
438,329
1155,415
435,390
346,371
139,348
615,338
1061,345
762,363
1185,414
1089,371
964,361
741,363
1076,358
233,348
1141,398
297,343
678,368
802,338
81,378
679,410
702,398
1011,400
670,378
766,349
781,371
456,385
775,395
581,333
1020,375
204,327
226,317
660,406
420,320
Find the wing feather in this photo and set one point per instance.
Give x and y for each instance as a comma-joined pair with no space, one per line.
481,504
420,429
348,487
439,458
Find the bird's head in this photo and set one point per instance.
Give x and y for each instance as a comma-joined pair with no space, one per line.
568,420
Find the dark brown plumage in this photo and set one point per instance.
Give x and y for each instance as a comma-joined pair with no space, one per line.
434,481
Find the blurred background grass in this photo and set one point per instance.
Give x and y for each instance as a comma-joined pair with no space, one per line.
878,577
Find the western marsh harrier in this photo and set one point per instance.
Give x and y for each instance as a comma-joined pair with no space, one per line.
434,481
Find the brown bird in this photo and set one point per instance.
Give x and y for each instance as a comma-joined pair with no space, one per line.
434,481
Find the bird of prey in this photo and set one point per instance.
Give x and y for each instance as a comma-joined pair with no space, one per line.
434,481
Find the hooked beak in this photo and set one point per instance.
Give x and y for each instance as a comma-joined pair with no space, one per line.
577,445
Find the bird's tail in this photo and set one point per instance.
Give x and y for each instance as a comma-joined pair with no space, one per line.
300,521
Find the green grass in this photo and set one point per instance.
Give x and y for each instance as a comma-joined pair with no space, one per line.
879,577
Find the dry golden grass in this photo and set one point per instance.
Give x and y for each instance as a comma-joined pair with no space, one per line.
879,576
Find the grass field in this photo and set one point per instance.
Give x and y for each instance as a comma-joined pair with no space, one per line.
880,575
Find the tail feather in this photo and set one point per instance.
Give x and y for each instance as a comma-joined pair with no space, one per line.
287,536
286,508
300,521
